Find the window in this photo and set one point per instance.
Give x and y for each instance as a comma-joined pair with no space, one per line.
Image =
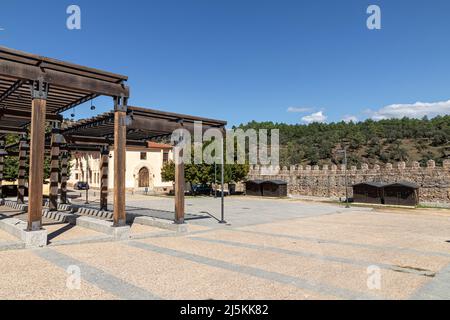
165,157
143,155
76,176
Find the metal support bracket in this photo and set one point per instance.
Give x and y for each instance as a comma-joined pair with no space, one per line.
39,89
104,151
121,104
55,124
35,226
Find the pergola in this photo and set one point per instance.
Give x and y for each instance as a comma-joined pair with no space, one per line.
35,89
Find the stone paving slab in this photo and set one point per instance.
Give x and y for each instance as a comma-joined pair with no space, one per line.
140,229
271,249
176,278
384,257
26,276
344,280
6,237
9,242
429,240
67,232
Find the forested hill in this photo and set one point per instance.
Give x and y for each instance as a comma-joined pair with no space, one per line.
367,142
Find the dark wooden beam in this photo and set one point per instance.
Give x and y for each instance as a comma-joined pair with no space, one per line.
6,130
179,182
104,169
87,140
158,125
120,137
64,176
2,167
13,154
36,175
78,102
99,141
54,171
23,152
62,79
17,114
16,85
170,116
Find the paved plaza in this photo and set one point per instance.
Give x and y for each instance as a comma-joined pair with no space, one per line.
269,249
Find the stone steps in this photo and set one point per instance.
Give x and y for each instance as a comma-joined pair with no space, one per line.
95,213
15,205
59,216
61,206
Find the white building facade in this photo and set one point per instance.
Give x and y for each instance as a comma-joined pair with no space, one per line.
143,168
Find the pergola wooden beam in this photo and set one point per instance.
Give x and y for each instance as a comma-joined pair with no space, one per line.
120,138
23,152
62,79
87,140
78,102
99,141
179,180
16,85
104,169
54,168
36,176
64,176
14,130
17,114
2,166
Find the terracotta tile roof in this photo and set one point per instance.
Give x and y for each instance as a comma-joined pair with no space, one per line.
156,145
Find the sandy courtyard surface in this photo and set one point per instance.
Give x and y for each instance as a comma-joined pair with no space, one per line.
269,249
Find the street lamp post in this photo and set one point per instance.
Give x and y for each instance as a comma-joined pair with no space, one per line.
87,179
344,151
215,180
222,199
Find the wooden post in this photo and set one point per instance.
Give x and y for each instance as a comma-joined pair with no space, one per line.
104,179
64,178
2,166
54,168
120,137
37,144
179,181
23,151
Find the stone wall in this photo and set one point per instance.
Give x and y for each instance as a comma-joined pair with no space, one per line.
329,181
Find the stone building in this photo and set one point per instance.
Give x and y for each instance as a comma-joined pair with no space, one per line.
329,181
143,168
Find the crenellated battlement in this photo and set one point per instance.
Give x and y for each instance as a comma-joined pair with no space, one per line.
329,181
364,168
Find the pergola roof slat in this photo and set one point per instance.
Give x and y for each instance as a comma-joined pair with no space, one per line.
144,124
36,60
70,84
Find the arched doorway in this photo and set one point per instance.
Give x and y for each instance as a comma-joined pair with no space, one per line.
144,178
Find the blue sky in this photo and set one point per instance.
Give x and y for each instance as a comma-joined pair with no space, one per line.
243,60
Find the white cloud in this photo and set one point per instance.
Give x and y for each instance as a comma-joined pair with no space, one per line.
414,110
349,118
299,109
315,117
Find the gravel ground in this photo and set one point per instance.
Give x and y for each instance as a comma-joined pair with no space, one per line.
270,249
